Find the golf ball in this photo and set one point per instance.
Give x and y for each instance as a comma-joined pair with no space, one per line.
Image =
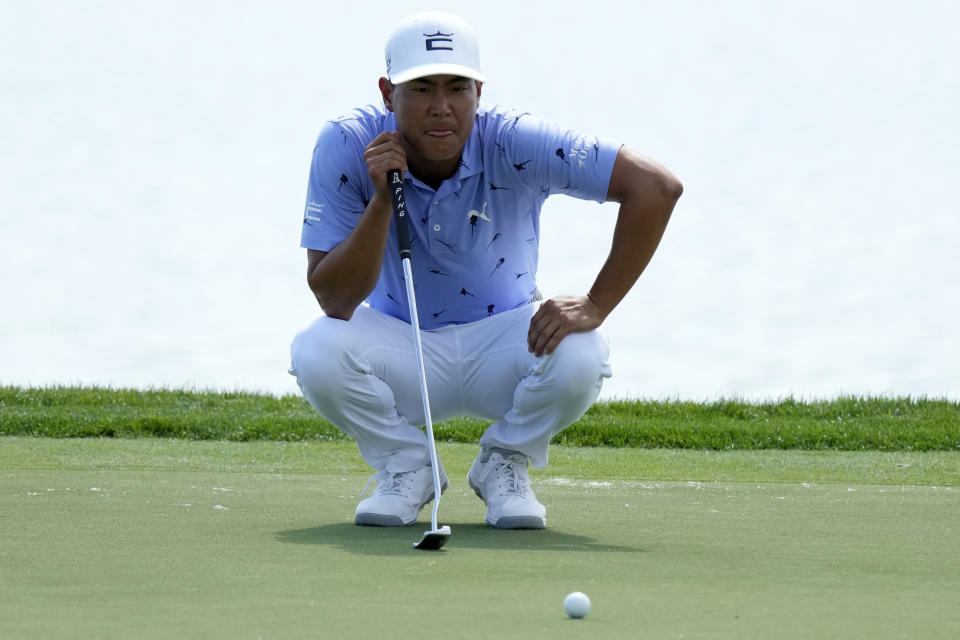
576,604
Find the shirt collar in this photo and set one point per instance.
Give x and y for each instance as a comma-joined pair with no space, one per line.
471,161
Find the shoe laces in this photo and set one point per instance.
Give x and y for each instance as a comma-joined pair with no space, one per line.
511,471
390,484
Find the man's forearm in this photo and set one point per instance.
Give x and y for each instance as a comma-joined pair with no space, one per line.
344,277
647,194
641,223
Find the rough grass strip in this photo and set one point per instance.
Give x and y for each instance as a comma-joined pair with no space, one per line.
844,423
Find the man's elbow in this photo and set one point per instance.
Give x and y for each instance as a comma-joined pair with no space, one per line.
677,189
641,180
659,193
336,309
339,313
670,187
662,194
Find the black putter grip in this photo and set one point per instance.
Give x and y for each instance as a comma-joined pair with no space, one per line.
395,184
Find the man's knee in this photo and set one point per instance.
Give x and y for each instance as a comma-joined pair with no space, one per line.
317,354
579,363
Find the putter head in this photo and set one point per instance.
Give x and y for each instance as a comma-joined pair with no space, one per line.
433,539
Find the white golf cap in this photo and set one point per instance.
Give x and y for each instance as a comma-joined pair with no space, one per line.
431,43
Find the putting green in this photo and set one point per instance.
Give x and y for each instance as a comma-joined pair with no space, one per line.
144,553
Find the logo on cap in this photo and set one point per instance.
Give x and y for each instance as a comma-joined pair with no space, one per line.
435,41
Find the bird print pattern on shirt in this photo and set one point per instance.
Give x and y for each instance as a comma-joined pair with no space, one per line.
474,253
451,247
485,243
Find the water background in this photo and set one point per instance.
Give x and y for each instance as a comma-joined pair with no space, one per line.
154,157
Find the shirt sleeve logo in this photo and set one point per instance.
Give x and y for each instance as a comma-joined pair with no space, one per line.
314,209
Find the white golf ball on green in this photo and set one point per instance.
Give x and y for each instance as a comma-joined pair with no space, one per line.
576,604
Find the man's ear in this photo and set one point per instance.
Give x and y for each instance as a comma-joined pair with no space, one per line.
479,87
386,92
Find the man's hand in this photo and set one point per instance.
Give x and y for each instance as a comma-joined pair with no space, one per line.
559,317
385,152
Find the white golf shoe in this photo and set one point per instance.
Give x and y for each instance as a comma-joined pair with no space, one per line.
398,498
500,479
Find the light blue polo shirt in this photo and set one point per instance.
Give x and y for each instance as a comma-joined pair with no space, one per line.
474,241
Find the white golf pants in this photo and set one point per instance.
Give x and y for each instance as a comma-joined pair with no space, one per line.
361,375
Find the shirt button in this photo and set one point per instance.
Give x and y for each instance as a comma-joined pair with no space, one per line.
436,202
436,227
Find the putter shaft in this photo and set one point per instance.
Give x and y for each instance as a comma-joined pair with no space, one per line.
436,537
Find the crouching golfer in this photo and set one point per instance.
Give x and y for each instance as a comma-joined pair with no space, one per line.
475,179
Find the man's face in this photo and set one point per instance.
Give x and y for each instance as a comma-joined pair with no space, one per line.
435,114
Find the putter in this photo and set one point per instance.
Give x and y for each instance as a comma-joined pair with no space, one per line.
436,537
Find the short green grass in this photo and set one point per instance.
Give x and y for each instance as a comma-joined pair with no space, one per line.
159,538
582,463
173,513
